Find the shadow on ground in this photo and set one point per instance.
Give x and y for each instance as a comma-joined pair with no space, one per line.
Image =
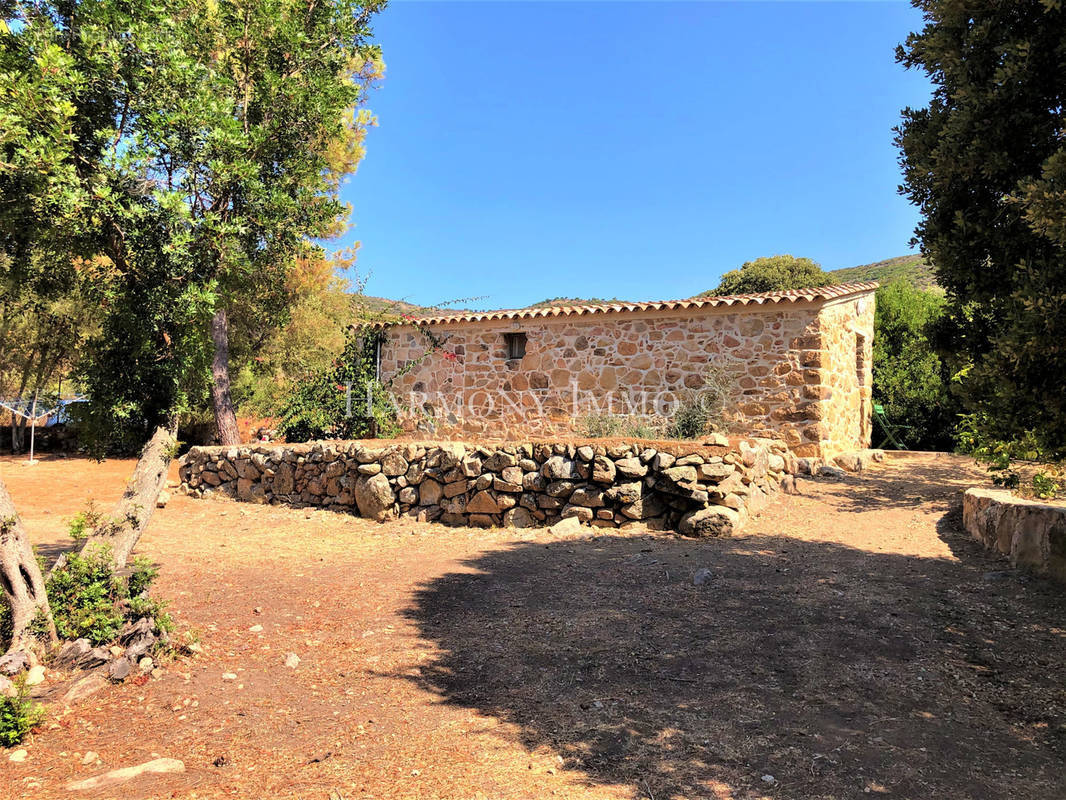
835,671
903,481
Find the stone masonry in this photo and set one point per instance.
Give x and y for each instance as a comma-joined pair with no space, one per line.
697,488
800,362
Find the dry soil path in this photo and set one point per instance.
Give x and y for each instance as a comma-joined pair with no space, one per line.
854,642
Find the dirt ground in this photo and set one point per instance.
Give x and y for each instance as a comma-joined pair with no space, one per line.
853,642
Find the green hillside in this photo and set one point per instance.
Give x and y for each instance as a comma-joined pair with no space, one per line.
573,301
911,268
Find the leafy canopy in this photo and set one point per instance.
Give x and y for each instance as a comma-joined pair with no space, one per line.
173,157
909,377
985,162
771,274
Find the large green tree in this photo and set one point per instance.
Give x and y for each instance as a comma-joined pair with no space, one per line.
252,144
771,274
169,158
985,162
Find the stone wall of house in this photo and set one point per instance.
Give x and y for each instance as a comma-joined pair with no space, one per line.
697,488
846,376
793,368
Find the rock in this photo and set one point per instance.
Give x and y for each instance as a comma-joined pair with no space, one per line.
558,468
292,661
369,469
717,440
560,488
518,518
14,663
663,461
851,462
35,675
429,492
119,669
163,498
471,467
7,687
374,497
625,492
631,468
229,676
833,473
146,664
394,465
769,779
512,475
455,489
18,756
587,496
715,472
408,496
158,766
569,525
284,479
643,508
482,503
712,521
72,653
91,757
480,520
499,461
702,576
580,512
534,482
585,453
84,687
603,470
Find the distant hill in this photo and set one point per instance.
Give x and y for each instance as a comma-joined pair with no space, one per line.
573,301
910,268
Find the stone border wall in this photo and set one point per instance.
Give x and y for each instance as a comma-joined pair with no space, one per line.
1032,534
697,489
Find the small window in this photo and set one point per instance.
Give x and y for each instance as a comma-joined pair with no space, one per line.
516,345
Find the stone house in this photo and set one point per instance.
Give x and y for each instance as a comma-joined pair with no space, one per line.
799,363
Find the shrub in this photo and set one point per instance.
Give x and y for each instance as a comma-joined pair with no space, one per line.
909,378
18,715
706,409
322,408
90,601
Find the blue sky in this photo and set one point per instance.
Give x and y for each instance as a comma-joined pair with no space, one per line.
625,149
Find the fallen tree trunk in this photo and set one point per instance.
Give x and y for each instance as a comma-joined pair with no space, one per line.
24,588
134,510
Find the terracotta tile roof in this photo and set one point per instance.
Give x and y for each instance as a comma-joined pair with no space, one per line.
763,298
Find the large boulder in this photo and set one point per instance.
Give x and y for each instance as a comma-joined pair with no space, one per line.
374,497
712,521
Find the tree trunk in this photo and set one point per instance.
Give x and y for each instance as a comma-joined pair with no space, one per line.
23,586
225,417
132,513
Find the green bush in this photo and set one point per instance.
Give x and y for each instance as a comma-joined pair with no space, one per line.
909,378
90,601
18,715
321,407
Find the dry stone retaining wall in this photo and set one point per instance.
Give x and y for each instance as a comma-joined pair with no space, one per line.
1032,534
698,489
